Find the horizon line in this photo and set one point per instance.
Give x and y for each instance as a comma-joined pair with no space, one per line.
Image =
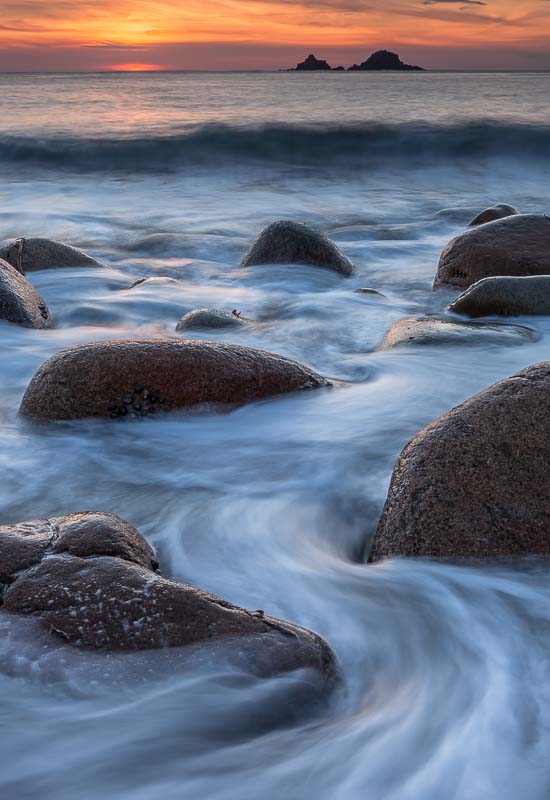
274,70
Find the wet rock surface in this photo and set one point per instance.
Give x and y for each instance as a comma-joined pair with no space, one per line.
208,318
287,242
27,255
19,301
90,579
518,245
140,377
474,483
499,211
504,296
444,331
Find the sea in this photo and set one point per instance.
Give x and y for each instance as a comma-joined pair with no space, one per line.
444,686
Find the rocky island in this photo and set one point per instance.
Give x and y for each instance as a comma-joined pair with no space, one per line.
379,61
312,64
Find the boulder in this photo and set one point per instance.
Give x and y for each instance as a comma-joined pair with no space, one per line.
440,330
19,300
28,255
286,242
505,297
518,245
208,318
90,579
141,377
474,483
499,211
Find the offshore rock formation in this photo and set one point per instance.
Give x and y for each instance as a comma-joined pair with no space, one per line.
379,61
384,60
140,377
312,64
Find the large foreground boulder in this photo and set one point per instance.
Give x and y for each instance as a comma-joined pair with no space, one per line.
506,297
517,245
211,318
28,255
443,331
90,579
474,484
286,242
499,211
144,376
19,300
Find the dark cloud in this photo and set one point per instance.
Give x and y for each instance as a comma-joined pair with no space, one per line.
464,3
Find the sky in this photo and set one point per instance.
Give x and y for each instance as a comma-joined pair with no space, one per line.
37,35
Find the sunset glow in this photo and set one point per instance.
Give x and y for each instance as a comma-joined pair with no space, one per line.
235,34
133,68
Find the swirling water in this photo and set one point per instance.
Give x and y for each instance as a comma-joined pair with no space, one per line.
445,669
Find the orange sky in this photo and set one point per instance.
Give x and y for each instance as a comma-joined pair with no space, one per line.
89,34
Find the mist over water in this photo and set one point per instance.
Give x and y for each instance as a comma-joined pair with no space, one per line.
445,669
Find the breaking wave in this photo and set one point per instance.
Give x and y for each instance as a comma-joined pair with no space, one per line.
361,145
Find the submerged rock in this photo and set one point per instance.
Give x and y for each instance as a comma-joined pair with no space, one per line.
286,242
506,297
208,318
19,300
474,483
157,280
439,330
499,211
144,376
458,215
90,579
517,245
28,255
368,290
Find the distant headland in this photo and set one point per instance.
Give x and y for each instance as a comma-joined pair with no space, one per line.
381,60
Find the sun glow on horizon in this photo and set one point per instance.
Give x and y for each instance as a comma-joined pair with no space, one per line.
133,67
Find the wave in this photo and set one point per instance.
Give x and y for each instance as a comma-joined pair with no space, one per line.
316,145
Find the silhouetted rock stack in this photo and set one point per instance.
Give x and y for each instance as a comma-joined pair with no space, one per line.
311,64
381,60
384,60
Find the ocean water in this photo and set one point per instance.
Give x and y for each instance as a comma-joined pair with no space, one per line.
445,669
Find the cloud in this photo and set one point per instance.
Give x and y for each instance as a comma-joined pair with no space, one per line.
464,3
